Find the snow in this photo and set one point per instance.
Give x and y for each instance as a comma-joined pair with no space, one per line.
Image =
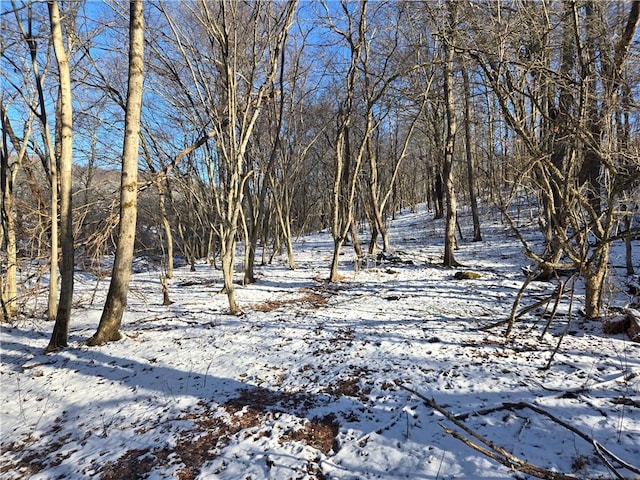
316,380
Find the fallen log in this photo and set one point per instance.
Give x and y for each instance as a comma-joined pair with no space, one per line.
628,322
634,324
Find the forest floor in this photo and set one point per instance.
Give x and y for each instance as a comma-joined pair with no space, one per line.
388,374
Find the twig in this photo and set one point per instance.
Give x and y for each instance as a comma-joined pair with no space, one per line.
566,328
614,457
554,310
516,303
596,446
539,303
511,461
491,326
515,315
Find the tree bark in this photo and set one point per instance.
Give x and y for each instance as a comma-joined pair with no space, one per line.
8,173
166,225
451,128
471,168
594,283
65,118
376,211
111,319
49,164
8,280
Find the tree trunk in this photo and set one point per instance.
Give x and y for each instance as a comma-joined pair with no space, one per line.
65,118
111,319
52,299
250,231
354,238
594,284
283,210
288,238
48,163
471,168
334,275
438,194
373,238
8,281
340,209
167,230
626,221
228,259
337,222
451,127
376,211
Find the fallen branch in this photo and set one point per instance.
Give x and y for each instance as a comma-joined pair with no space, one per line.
516,315
566,328
511,461
496,452
599,449
506,458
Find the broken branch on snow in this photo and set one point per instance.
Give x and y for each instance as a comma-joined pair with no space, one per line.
506,458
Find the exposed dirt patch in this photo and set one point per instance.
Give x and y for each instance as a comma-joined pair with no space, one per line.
268,400
352,385
134,464
214,429
270,305
309,299
349,387
30,463
319,433
198,446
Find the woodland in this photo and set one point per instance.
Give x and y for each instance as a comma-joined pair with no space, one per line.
168,137
189,129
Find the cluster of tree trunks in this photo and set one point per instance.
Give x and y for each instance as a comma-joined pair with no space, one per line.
254,130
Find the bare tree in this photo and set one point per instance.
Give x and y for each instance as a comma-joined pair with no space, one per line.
48,156
8,173
111,319
359,97
390,56
229,93
298,132
16,160
470,156
450,29
346,162
599,156
64,119
575,162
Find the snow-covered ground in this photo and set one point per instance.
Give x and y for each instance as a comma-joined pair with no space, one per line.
371,378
